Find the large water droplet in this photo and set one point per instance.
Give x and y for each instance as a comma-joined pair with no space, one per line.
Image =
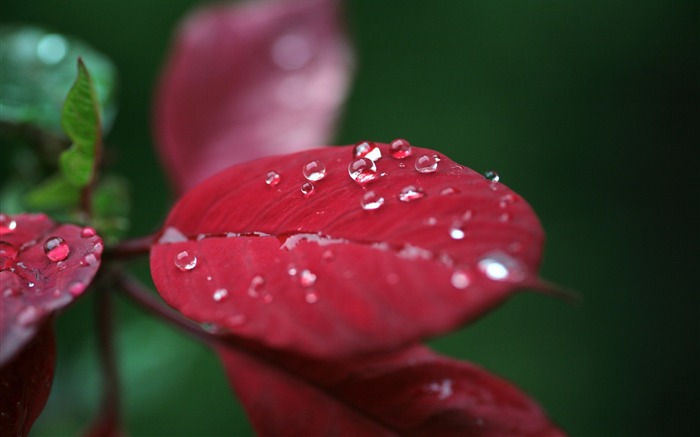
307,189
371,200
367,149
272,178
492,176
362,170
314,171
399,148
220,294
56,249
88,232
8,255
426,163
307,278
7,225
460,279
185,261
411,193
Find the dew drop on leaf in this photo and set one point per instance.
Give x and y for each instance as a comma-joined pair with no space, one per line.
426,163
371,201
220,294
492,176
7,225
367,149
411,193
56,249
311,296
457,231
400,148
501,267
314,171
76,288
89,260
185,261
256,286
307,189
362,170
307,278
272,178
460,279
88,232
448,191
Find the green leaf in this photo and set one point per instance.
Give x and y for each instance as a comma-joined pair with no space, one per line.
37,68
81,121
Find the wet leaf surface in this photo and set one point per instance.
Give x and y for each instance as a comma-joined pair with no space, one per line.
250,80
25,382
323,275
411,392
44,266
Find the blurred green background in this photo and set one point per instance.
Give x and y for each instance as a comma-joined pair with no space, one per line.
589,109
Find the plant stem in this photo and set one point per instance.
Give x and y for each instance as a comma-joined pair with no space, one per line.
107,422
128,249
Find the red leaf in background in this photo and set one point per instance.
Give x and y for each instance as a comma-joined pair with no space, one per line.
411,392
25,383
337,271
250,80
44,266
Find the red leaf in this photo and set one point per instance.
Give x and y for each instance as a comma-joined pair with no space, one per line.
44,266
322,276
250,80
412,392
25,383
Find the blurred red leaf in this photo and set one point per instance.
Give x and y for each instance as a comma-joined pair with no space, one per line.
320,275
411,392
44,266
250,80
25,383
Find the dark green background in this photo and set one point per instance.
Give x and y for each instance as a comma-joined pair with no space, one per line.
589,109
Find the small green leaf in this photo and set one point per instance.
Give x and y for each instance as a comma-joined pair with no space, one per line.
81,121
37,68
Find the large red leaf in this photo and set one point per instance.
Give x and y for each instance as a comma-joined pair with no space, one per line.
321,275
412,392
25,383
44,266
250,80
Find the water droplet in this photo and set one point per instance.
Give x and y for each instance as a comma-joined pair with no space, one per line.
51,49
98,248
492,176
256,286
61,266
430,221
314,171
291,51
185,261
28,316
411,193
443,389
498,266
506,200
307,189
367,149
468,214
457,231
220,294
8,255
272,178
307,278
311,296
292,270
362,170
31,284
426,163
7,225
400,148
76,288
504,217
448,191
370,201
89,260
327,255
460,279
88,232
56,249
402,164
